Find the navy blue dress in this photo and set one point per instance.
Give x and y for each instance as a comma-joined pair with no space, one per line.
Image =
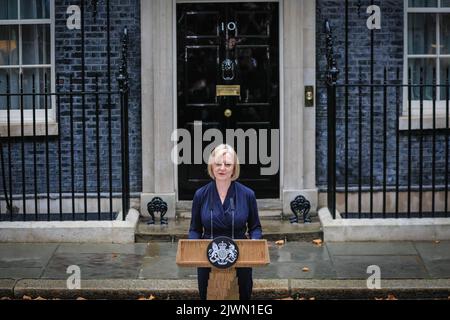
246,218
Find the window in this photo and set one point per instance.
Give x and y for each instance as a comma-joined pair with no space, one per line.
26,53
427,51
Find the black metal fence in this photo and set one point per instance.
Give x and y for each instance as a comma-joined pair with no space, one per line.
48,160
379,136
44,178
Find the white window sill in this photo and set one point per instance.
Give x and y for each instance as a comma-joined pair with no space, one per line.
427,122
16,130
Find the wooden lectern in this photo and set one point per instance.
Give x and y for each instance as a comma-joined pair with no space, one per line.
222,284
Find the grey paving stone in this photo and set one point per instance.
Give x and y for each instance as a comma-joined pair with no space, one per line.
433,250
20,273
291,270
133,248
23,255
436,257
95,265
392,267
439,269
295,251
165,268
162,249
181,273
371,248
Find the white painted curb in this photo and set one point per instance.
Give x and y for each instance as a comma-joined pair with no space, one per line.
117,231
402,229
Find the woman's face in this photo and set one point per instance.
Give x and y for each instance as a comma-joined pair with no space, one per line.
223,167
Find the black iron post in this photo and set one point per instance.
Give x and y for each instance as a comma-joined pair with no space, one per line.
124,87
331,80
94,4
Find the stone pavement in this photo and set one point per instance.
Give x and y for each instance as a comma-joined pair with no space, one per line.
297,269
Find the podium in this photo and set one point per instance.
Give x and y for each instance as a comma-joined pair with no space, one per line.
223,283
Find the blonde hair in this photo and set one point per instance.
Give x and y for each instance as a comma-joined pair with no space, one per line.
220,150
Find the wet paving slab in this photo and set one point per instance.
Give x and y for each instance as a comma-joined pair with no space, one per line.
159,262
391,267
297,260
371,248
23,255
168,249
297,252
165,267
20,273
296,270
290,260
136,249
433,250
287,261
22,260
438,268
436,257
94,265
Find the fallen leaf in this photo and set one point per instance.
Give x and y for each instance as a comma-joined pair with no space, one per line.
317,242
391,297
305,269
40,298
27,298
279,242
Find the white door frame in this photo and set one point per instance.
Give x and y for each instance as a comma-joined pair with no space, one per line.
297,123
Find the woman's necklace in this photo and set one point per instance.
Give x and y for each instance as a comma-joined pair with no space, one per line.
222,198
222,193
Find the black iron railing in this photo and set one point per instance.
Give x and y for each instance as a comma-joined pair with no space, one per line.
388,143
63,174
70,166
57,175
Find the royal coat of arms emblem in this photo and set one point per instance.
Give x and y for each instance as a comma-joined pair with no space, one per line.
222,252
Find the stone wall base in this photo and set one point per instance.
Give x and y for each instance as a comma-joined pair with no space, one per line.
402,229
117,231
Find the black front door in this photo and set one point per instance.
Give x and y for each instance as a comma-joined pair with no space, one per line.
228,78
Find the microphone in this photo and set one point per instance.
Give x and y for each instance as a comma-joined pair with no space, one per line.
232,217
211,215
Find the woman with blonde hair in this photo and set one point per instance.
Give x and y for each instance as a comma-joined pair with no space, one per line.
225,207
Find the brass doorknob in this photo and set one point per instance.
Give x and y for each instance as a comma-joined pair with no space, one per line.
227,113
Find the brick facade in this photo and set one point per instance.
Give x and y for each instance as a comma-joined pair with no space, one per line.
388,53
68,63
